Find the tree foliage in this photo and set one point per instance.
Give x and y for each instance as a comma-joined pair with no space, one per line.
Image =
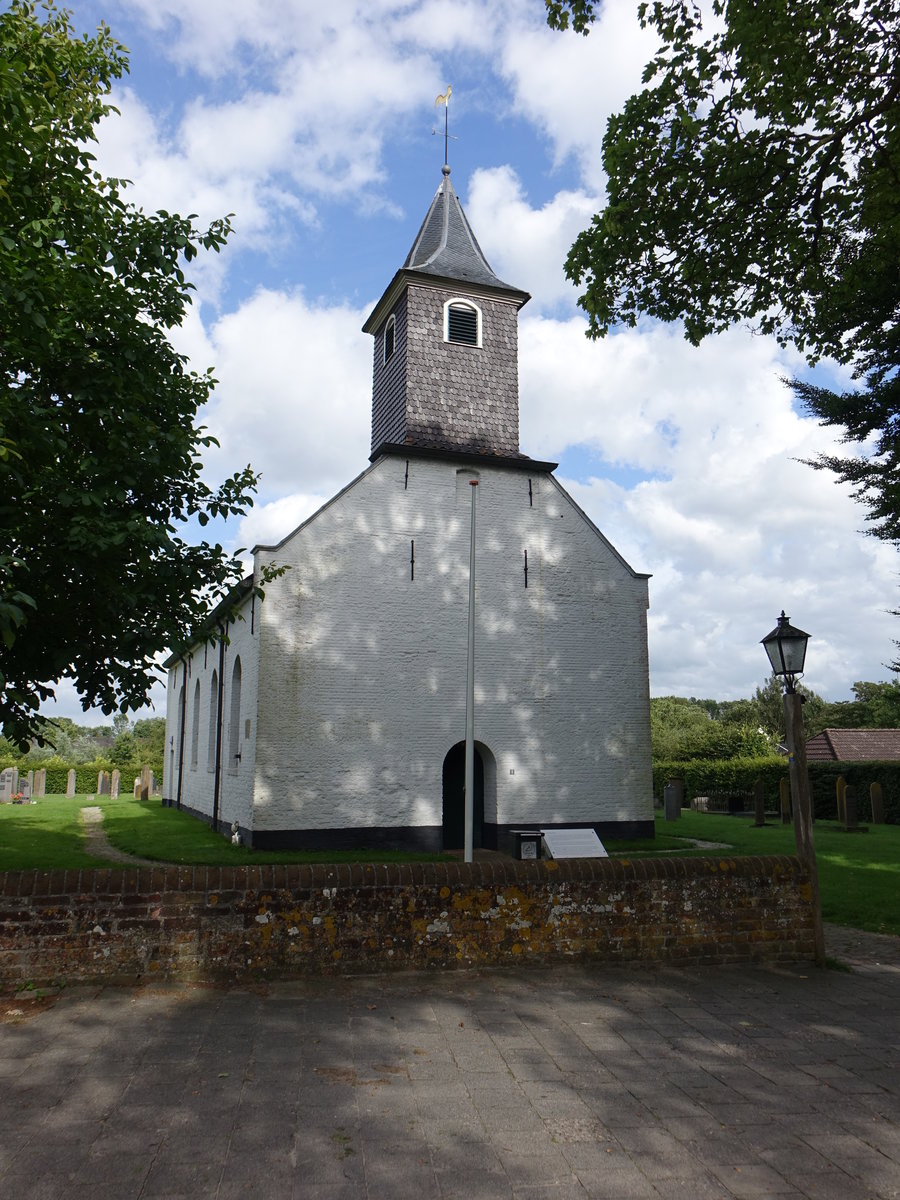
756,178
100,456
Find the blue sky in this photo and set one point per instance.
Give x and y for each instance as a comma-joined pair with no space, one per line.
313,124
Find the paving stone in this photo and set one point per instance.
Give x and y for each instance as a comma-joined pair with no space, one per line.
744,1082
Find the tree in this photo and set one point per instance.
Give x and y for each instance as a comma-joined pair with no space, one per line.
756,178
100,456
683,729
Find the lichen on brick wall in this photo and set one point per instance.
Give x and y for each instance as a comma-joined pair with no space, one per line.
245,923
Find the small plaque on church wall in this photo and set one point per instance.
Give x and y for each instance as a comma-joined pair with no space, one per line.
574,843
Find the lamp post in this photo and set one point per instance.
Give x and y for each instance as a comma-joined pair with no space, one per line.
468,851
786,648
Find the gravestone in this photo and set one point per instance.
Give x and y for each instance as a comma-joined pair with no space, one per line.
9,782
671,802
70,782
115,783
851,819
784,799
876,796
137,787
103,783
841,790
25,789
146,782
40,782
29,779
759,802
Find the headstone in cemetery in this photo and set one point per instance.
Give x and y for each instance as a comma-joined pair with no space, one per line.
573,843
70,782
137,787
671,802
840,788
146,781
9,782
759,802
103,783
784,799
29,779
851,813
40,782
25,789
115,783
876,796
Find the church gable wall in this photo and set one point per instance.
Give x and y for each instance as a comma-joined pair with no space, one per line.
363,658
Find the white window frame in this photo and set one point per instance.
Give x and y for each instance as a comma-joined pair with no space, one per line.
462,302
391,323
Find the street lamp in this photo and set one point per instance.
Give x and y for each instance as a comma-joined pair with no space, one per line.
786,648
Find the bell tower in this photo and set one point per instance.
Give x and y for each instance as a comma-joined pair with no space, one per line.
446,372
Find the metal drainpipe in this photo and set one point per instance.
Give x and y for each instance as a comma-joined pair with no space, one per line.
221,697
183,718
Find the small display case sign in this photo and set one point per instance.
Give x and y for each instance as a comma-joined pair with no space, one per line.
573,843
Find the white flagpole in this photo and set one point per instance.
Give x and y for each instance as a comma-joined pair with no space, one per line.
470,693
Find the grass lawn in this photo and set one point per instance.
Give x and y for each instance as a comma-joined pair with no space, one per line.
859,874
49,835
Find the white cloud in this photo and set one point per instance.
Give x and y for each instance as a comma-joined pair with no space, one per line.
294,394
269,524
569,85
527,247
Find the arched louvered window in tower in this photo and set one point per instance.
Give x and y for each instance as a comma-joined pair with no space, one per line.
462,323
390,337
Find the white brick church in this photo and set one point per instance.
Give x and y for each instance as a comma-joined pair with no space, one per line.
335,714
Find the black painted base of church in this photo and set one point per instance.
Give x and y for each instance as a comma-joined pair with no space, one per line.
421,839
427,839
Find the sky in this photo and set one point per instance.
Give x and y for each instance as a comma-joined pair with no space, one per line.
315,125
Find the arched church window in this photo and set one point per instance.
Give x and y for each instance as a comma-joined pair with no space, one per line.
195,728
234,724
213,717
390,337
462,323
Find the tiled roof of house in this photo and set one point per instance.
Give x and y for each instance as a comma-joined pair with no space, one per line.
854,745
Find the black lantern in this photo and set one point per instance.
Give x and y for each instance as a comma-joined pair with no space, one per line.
786,648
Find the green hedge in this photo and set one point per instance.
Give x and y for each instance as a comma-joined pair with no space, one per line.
702,776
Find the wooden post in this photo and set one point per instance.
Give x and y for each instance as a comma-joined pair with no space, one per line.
803,830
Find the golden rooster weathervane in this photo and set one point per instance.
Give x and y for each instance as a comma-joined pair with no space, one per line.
445,100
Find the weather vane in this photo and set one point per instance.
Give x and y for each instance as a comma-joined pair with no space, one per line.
445,100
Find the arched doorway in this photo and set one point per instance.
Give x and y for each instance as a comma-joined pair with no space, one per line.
454,804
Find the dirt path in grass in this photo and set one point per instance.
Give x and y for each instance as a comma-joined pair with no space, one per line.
98,844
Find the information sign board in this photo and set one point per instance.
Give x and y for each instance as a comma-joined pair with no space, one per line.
573,843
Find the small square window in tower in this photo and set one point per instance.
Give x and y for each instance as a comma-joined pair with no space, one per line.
462,324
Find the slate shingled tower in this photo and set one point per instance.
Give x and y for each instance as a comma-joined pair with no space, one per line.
446,344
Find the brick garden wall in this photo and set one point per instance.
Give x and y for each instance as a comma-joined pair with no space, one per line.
245,923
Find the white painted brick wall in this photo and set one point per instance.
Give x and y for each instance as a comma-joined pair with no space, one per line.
362,669
236,777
